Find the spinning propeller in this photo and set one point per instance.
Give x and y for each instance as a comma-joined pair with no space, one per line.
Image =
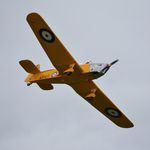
108,66
113,62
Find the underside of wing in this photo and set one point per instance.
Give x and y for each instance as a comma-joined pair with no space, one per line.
90,92
54,49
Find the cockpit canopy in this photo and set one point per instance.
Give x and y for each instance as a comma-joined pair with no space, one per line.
98,67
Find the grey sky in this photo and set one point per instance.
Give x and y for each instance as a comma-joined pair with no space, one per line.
95,30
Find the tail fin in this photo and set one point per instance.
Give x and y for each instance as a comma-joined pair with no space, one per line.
29,66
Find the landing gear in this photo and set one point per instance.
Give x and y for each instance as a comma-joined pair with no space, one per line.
70,70
28,84
91,96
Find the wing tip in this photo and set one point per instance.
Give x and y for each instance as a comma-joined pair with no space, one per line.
128,124
32,15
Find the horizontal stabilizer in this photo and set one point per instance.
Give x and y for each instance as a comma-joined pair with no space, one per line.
29,66
45,86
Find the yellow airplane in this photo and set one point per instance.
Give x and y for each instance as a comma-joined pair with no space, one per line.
69,72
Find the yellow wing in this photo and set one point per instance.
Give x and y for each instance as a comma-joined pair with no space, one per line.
90,92
54,49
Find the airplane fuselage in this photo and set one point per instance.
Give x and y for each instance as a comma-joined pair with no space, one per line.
53,76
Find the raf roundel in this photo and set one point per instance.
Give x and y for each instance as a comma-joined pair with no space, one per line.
47,35
113,112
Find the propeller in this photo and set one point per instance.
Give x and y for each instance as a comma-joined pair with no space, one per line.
104,70
113,62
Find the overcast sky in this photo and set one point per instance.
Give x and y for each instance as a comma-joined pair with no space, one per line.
97,30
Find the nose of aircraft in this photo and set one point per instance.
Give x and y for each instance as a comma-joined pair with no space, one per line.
107,67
